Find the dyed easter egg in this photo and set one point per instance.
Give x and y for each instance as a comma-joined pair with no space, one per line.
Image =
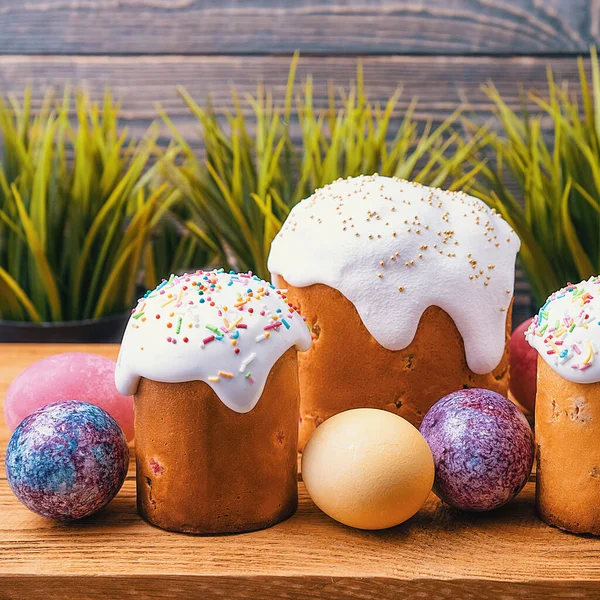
67,460
482,446
69,376
367,468
523,367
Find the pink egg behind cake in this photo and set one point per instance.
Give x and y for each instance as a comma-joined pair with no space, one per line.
68,376
523,368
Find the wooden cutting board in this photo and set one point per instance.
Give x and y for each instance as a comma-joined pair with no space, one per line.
439,553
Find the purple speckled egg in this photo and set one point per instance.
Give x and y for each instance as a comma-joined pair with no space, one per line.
482,446
67,460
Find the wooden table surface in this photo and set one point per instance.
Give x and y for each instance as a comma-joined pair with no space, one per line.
440,553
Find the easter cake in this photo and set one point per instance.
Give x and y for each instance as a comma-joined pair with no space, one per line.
566,334
407,290
211,360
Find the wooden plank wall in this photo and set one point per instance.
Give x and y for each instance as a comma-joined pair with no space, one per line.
439,50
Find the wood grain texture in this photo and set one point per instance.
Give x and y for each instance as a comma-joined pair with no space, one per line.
439,83
250,587
440,553
311,26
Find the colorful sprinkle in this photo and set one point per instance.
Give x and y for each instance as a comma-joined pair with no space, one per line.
568,336
195,301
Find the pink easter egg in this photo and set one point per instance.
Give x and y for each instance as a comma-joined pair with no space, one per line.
523,367
69,376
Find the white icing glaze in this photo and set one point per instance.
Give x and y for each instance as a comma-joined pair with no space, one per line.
566,331
394,248
168,337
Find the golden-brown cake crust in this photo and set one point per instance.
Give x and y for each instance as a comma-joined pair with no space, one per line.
347,368
567,431
203,468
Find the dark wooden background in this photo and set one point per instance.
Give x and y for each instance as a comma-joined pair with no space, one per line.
441,51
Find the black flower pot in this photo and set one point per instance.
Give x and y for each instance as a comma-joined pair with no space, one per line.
92,331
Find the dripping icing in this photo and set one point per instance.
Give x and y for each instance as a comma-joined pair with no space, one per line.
394,248
225,329
566,331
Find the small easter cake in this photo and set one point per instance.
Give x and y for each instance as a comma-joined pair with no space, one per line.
566,334
407,290
210,358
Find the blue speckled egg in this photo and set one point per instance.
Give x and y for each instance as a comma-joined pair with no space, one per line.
482,446
67,460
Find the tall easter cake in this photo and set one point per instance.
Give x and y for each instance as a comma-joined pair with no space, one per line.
566,334
211,359
407,290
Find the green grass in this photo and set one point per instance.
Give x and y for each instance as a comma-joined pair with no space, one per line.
243,189
86,216
541,171
77,218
